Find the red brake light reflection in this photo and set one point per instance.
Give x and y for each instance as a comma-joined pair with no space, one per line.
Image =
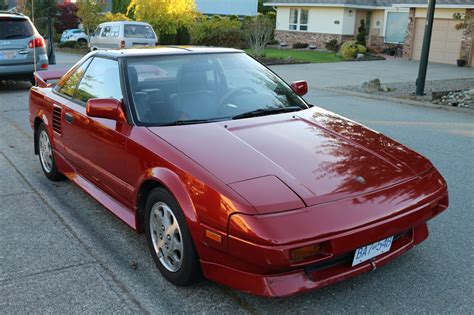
36,42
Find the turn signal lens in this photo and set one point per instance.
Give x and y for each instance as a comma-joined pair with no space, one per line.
213,236
301,253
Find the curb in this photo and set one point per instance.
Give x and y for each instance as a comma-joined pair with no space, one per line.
401,100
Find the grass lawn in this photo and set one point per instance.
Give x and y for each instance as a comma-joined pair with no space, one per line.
301,55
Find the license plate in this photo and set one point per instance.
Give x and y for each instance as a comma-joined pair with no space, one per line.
370,251
7,54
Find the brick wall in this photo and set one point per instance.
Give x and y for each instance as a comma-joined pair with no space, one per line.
318,39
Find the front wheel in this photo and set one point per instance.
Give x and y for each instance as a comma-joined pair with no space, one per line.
169,240
48,163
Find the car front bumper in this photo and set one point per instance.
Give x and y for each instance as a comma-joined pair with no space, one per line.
259,246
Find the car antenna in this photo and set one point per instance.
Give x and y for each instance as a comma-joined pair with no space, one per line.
34,42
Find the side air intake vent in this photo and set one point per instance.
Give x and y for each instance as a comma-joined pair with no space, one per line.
57,111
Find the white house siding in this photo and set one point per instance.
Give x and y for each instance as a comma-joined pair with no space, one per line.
321,20
283,18
228,7
324,24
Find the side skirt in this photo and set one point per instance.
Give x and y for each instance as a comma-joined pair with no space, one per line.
122,212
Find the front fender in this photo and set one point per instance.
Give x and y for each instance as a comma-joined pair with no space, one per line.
175,186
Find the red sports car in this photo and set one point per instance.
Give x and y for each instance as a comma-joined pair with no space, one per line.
228,171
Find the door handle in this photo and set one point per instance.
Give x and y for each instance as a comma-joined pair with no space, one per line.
69,118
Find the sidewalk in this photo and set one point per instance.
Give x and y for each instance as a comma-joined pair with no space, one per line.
44,267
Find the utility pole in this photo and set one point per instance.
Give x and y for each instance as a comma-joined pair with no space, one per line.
425,51
51,55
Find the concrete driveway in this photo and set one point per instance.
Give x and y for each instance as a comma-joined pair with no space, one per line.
322,75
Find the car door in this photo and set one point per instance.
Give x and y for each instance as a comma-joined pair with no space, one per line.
97,145
61,100
94,39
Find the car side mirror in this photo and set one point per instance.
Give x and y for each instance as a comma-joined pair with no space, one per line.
300,87
108,108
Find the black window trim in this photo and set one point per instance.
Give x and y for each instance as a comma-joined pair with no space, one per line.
121,82
71,98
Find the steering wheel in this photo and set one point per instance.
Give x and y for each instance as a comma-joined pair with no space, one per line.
235,92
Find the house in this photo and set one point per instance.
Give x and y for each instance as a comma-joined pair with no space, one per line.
399,22
228,7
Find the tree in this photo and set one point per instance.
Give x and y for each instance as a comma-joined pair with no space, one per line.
120,6
42,10
264,9
361,33
66,17
466,23
110,17
258,31
166,16
3,5
89,12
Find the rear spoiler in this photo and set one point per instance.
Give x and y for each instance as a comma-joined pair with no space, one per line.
42,77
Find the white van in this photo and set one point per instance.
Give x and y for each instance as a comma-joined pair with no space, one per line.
122,34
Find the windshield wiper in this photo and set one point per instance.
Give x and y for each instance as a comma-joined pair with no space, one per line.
188,122
15,35
267,111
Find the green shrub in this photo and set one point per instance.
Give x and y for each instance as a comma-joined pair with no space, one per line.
273,42
300,45
350,49
182,37
332,45
70,44
218,31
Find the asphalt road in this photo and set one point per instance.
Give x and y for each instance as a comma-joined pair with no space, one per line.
60,251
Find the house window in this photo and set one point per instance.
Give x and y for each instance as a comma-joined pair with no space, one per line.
396,27
298,20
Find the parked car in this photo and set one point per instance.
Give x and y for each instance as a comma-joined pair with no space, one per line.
75,35
123,34
20,46
229,172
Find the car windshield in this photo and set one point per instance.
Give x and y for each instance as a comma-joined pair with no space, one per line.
15,28
138,31
197,88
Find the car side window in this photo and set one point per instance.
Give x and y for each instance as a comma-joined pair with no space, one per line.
106,32
101,80
69,86
97,31
114,31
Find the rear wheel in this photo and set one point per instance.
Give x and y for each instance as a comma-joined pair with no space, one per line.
46,156
169,240
82,42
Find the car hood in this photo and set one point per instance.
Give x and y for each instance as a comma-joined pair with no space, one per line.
318,155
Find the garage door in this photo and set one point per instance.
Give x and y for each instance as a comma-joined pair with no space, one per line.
445,41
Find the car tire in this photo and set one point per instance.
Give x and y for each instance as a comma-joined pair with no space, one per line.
82,42
46,156
169,240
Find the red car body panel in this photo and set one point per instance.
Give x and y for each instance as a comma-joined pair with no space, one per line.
266,185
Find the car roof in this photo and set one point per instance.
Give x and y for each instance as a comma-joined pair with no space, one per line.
163,50
124,22
4,14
